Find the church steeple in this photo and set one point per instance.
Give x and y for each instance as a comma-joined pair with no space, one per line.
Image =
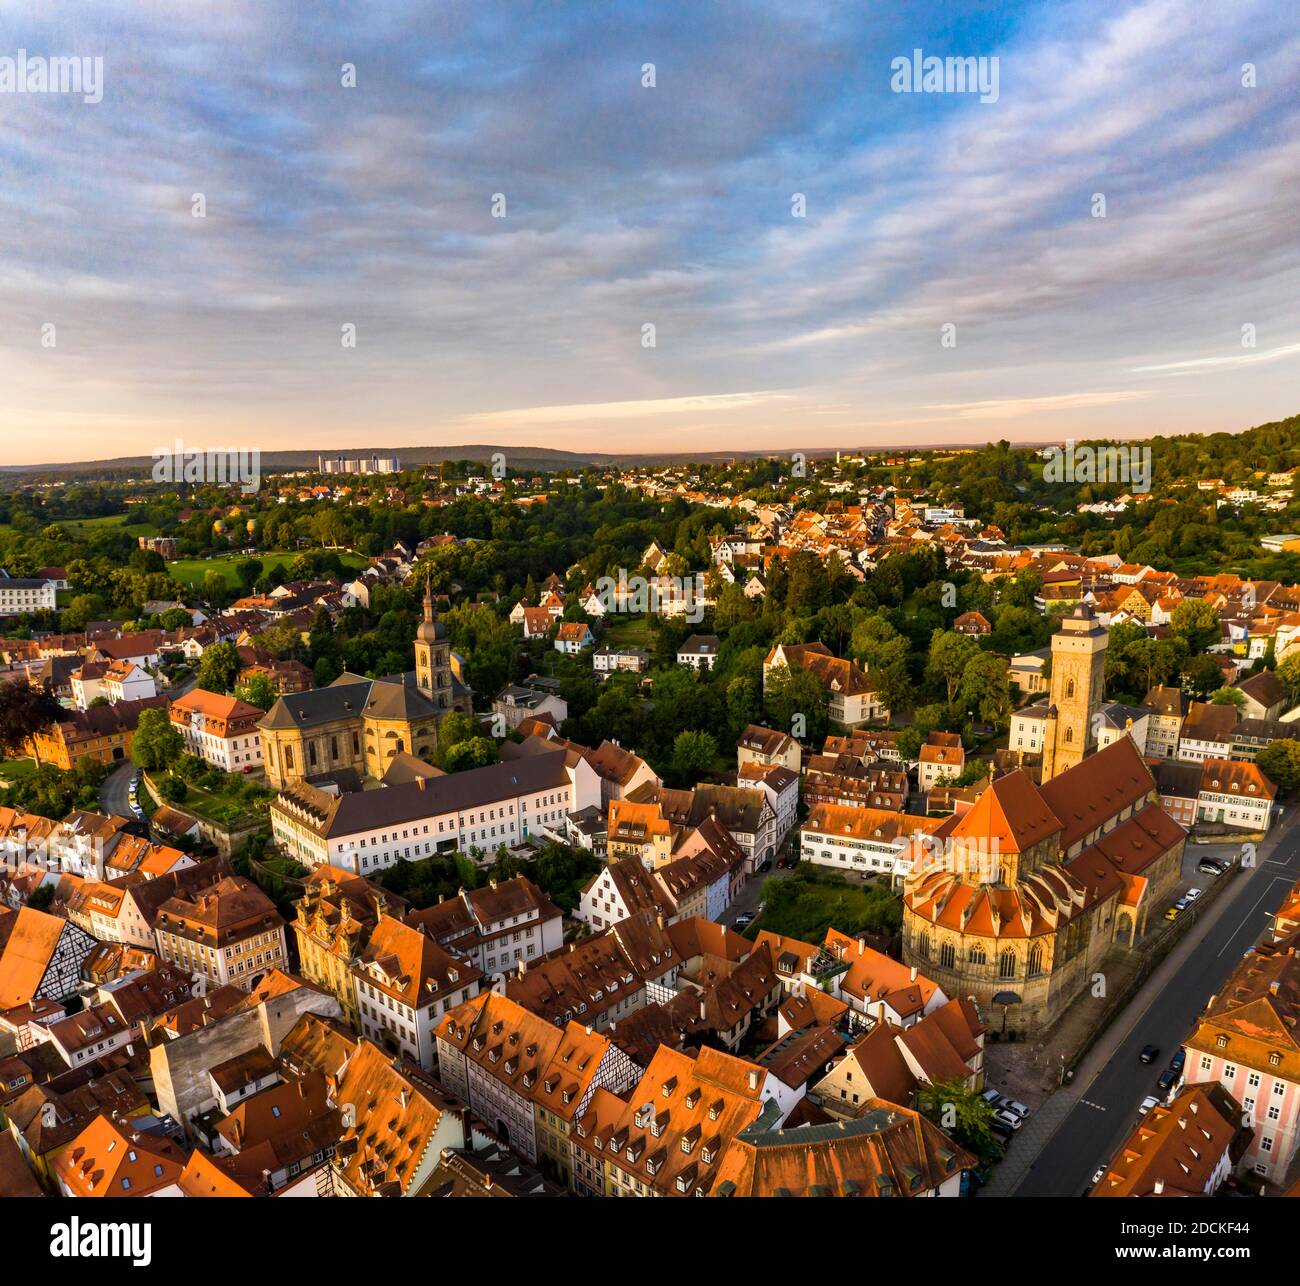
433,654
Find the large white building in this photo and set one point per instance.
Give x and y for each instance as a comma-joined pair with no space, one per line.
220,730
366,830
21,594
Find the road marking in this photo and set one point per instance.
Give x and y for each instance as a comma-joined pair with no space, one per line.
1087,1102
1268,888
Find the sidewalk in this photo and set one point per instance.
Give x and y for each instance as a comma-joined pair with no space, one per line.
1037,1131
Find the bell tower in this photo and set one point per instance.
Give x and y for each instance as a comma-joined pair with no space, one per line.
433,655
1078,678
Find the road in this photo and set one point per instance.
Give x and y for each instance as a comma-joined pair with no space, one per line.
1161,1015
113,793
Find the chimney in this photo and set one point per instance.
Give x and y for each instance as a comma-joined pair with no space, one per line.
753,1078
704,1010
1158,1187
419,781
913,973
862,946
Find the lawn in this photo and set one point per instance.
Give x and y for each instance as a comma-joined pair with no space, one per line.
190,571
14,769
628,631
80,526
224,807
810,901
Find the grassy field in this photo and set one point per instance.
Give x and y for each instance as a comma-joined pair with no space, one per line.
191,571
224,807
628,631
14,769
81,526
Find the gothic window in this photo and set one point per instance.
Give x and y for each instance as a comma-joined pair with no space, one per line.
1069,735
1035,961
1069,688
1007,964
923,946
977,956
947,955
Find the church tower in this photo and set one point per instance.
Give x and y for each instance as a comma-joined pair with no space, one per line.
433,656
1078,677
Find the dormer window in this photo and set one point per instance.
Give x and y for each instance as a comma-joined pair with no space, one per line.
1222,1042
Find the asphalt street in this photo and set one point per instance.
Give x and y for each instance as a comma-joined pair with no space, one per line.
1107,1104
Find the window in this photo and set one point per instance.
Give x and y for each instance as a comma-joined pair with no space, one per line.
1007,965
947,955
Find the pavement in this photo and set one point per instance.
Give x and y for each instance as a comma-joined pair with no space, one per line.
113,793
1080,1127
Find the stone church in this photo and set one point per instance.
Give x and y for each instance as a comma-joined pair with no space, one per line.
358,724
1019,899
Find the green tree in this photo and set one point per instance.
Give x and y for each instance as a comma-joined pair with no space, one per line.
477,752
950,654
218,668
156,743
1229,697
693,754
962,1114
1280,763
258,690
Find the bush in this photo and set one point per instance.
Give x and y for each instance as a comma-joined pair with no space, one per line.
173,789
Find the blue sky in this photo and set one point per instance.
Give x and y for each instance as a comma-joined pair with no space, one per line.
626,206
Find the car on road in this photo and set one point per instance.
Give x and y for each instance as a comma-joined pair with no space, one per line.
1211,866
1006,1120
1147,1104
766,866
1149,1053
1192,894
1167,1079
1179,1060
745,919
1099,1176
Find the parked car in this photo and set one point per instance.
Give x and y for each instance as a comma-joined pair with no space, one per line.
992,1098
766,866
1017,1108
1008,1120
1167,1079
1149,1053
745,919
1177,909
1147,1104
1097,1178
1192,894
1179,1060
1211,866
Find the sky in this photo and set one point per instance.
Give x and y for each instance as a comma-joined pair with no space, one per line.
947,279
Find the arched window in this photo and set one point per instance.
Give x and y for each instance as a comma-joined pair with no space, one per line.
923,946
1069,688
1035,961
977,956
947,955
1069,735
1007,964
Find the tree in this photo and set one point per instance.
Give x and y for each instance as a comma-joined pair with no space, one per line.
1195,621
257,690
1280,763
218,668
984,690
1229,697
950,653
156,743
796,694
1288,673
962,1114
1201,676
477,752
24,711
693,754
